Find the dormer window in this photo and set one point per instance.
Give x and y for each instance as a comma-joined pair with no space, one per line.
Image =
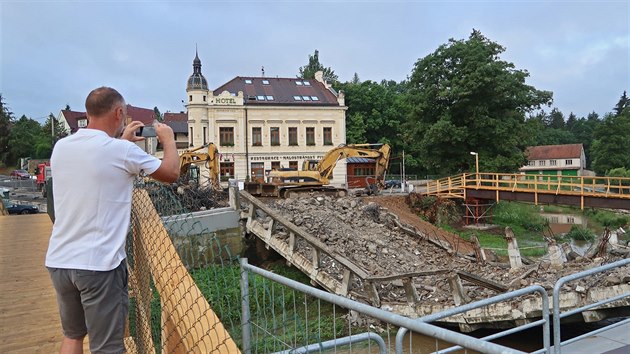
265,82
248,81
82,123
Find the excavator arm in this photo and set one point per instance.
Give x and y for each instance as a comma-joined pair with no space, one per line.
210,158
329,161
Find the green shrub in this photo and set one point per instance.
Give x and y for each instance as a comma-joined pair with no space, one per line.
580,233
516,214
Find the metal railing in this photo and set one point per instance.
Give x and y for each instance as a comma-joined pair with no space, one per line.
557,315
382,315
493,300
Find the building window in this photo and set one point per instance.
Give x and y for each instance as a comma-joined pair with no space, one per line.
189,98
293,165
269,98
310,136
570,220
297,98
226,136
260,97
82,123
248,81
532,163
205,134
275,165
275,136
258,171
293,139
265,82
204,98
306,98
306,83
227,170
553,162
314,98
299,83
541,163
568,162
191,136
256,136
328,136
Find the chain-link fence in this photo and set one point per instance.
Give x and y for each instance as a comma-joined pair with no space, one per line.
180,273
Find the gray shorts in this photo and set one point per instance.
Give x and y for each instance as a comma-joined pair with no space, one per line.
94,303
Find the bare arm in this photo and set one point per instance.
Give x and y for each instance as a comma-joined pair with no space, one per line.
169,168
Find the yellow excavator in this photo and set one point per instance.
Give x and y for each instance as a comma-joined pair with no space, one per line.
190,159
315,175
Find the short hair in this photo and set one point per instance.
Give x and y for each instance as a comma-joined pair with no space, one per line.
102,100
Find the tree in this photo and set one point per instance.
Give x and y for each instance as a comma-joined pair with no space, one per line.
624,102
466,99
355,79
611,143
571,121
376,112
6,120
157,114
555,119
53,130
313,66
24,140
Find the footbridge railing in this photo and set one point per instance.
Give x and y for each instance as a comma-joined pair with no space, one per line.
583,191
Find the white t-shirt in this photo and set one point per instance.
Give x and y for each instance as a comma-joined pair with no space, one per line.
93,176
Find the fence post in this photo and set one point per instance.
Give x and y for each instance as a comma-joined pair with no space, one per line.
245,315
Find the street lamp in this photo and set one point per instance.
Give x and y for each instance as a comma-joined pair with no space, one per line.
476,166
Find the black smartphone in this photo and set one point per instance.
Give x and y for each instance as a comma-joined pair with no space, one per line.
146,131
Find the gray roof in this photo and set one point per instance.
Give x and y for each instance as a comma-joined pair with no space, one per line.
359,160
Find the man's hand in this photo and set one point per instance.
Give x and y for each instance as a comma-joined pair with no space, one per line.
164,133
130,131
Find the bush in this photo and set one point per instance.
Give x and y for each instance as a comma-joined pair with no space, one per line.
516,214
608,219
580,233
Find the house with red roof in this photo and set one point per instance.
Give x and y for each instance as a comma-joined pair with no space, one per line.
555,160
74,120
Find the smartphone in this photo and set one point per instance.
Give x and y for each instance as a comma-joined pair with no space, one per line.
146,131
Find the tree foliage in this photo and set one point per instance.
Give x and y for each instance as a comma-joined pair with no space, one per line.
6,119
465,98
308,71
611,143
376,112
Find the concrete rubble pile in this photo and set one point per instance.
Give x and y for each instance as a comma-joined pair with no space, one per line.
367,235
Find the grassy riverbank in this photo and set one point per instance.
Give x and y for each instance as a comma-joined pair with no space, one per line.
529,226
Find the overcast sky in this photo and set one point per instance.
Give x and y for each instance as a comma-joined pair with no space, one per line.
54,52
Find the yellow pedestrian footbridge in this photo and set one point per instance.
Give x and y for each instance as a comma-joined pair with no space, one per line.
585,192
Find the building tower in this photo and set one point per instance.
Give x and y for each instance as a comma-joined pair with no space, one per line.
197,106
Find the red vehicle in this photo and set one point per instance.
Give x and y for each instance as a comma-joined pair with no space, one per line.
43,174
20,174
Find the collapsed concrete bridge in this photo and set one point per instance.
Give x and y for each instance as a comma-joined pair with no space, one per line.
364,252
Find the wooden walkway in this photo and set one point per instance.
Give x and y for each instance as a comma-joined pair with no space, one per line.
29,319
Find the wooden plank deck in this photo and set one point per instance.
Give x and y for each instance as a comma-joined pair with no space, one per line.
29,319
